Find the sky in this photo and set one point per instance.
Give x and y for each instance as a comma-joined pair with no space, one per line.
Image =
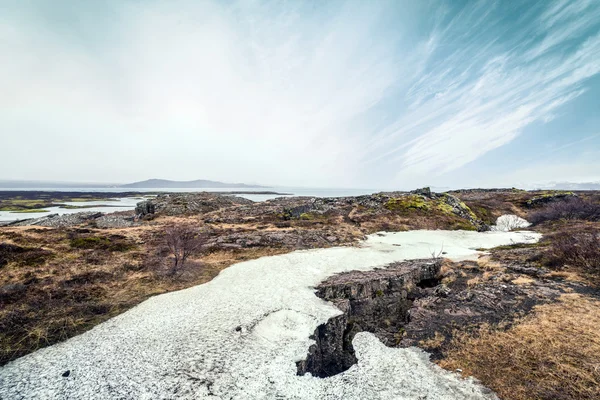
356,94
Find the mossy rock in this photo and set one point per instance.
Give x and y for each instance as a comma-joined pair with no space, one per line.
409,202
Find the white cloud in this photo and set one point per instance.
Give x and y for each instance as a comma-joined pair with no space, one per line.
279,93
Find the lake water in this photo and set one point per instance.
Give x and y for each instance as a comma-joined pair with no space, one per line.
107,206
128,203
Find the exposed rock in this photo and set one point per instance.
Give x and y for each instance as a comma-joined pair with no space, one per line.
426,191
188,203
145,207
374,301
544,199
292,239
115,220
405,305
101,220
375,209
60,221
12,291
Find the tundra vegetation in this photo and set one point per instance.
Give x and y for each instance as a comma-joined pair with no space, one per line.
56,282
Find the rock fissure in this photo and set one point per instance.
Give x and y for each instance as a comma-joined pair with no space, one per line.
376,301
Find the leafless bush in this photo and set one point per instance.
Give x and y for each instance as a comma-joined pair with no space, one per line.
182,241
580,250
572,208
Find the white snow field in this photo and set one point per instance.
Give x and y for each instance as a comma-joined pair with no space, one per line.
184,345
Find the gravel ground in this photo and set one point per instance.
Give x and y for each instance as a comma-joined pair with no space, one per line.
239,336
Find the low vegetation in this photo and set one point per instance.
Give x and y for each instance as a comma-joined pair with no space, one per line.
573,208
57,283
551,354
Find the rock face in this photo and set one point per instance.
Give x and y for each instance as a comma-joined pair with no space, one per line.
375,301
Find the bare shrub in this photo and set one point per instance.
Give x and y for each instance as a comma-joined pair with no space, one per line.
570,208
580,250
182,241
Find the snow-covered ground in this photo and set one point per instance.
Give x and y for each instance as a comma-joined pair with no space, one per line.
185,345
510,222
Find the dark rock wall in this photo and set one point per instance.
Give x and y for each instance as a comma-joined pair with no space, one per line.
375,301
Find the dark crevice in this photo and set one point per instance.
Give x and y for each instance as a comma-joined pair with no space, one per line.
429,283
377,301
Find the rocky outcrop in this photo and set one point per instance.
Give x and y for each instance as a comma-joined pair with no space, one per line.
292,239
188,203
373,301
98,219
547,198
376,209
406,304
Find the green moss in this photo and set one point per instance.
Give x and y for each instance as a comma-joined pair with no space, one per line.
306,216
409,202
444,207
462,225
379,293
483,214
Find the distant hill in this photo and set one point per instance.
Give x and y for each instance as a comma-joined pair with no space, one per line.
197,184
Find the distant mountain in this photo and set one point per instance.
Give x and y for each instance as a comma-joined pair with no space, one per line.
197,184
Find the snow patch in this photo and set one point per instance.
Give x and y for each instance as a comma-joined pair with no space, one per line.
240,335
510,222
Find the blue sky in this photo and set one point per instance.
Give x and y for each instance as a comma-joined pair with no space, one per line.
380,94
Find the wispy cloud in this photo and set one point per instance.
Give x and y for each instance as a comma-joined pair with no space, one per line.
344,93
481,96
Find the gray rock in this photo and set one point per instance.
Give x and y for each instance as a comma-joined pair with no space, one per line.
375,301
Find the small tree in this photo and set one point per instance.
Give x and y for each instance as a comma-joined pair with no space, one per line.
182,241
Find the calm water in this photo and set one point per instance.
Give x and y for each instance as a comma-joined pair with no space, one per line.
128,203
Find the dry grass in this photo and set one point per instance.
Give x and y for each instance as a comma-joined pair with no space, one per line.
523,280
65,290
434,343
553,353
